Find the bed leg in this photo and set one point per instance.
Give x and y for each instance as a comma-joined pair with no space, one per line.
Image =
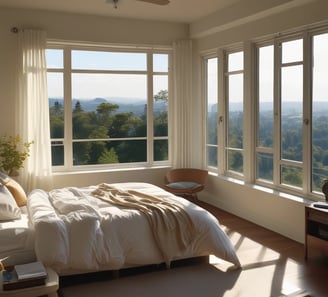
115,274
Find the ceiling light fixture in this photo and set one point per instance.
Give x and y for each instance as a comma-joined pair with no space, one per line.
157,2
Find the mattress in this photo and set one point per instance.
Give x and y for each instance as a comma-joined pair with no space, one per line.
16,241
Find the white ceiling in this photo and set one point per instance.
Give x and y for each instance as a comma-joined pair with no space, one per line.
184,11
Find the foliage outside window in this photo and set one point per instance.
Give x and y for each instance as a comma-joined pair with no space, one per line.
108,107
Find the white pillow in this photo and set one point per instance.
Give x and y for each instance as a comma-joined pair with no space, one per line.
8,207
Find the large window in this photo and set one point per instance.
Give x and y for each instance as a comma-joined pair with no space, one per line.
319,132
224,137
288,79
293,159
107,108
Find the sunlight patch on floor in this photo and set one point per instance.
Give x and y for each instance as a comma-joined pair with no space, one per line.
220,264
267,278
290,289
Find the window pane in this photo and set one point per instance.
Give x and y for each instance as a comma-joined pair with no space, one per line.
109,152
265,83
235,123
55,85
320,111
160,105
55,58
160,63
98,60
212,156
292,51
236,61
56,104
212,101
161,150
292,113
291,176
57,153
264,166
235,161
132,88
111,112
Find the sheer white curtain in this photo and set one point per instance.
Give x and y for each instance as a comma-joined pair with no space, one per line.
181,105
32,109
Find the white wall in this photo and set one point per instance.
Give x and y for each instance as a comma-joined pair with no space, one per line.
283,214
268,21
77,28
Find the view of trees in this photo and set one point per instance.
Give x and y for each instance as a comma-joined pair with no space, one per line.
106,134
291,144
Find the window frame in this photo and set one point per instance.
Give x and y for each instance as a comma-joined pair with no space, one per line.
227,74
207,144
67,140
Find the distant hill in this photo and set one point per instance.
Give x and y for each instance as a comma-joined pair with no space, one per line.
319,107
132,104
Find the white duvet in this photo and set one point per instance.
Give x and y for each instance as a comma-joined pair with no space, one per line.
75,231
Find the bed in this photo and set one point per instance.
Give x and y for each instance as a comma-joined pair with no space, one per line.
121,225
16,236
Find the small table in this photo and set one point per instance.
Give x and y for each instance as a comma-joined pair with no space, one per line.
316,230
49,288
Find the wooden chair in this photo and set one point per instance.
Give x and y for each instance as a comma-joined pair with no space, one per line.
185,182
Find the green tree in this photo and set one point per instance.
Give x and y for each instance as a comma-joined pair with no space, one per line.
78,107
108,157
56,114
105,113
162,95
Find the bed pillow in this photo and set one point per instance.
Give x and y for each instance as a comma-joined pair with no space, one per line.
15,189
8,207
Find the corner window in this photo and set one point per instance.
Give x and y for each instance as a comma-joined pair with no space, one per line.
287,89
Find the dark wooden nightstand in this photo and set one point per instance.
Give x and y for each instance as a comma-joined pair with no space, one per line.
316,230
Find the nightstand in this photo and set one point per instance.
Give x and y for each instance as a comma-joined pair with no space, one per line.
316,230
50,288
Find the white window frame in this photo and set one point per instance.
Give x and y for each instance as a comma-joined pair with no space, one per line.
67,71
224,77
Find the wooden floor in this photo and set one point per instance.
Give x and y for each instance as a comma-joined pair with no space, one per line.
257,246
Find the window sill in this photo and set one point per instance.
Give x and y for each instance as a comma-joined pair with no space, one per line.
275,192
111,170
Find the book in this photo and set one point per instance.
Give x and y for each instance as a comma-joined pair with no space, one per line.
30,270
10,281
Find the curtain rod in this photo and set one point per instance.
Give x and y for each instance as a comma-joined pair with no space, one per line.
17,30
14,30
